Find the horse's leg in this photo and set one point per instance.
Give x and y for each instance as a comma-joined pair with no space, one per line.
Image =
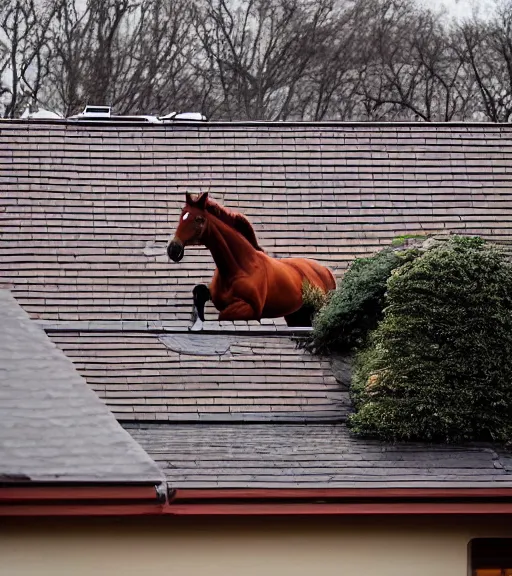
301,318
238,310
201,295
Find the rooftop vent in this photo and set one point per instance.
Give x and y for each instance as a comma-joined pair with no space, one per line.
93,112
184,116
103,113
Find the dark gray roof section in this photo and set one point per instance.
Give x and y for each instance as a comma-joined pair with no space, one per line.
52,426
312,456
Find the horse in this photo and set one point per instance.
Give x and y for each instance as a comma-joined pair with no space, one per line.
247,283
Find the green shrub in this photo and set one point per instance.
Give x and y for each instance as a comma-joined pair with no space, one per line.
401,240
439,365
355,307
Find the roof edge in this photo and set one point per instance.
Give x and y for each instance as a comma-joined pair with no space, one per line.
86,499
250,123
333,494
345,509
340,501
128,500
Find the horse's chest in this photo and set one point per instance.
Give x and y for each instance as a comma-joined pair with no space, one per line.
220,301
221,293
224,291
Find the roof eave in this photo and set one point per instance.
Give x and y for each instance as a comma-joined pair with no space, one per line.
342,509
82,499
340,501
146,500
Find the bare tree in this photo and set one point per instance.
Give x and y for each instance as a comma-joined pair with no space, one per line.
412,70
486,48
70,40
159,68
445,91
85,46
136,56
330,82
24,52
256,59
258,52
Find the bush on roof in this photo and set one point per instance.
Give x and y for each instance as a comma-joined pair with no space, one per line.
439,365
355,307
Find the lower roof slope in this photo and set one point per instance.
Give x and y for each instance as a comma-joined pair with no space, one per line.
313,456
52,427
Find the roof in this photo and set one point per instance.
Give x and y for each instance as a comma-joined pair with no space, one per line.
52,427
86,213
313,455
172,377
96,204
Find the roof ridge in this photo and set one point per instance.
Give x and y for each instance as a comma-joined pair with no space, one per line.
257,123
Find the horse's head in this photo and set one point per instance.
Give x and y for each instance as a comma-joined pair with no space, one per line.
190,228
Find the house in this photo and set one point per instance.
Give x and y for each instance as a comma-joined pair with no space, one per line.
226,450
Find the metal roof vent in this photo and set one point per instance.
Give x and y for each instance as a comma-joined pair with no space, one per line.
103,113
183,116
93,112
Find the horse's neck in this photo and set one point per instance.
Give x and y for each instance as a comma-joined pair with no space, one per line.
230,250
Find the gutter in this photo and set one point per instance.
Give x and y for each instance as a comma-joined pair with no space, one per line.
59,499
151,500
340,501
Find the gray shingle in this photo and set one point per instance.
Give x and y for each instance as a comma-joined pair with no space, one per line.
52,426
177,377
96,202
312,456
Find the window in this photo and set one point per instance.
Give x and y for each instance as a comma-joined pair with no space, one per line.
491,557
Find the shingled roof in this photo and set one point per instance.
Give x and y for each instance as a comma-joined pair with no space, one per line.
51,426
85,215
313,455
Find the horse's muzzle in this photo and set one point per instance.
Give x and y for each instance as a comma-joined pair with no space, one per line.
175,250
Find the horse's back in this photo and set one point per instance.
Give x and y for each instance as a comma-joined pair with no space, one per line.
316,274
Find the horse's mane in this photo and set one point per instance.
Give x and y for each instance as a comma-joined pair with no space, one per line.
237,221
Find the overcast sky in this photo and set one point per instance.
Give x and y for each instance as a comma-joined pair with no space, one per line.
460,8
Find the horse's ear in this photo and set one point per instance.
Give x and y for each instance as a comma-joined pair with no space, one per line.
188,199
201,201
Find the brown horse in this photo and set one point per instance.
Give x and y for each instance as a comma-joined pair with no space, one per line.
247,284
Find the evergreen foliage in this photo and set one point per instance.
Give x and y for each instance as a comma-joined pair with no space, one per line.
439,365
355,307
